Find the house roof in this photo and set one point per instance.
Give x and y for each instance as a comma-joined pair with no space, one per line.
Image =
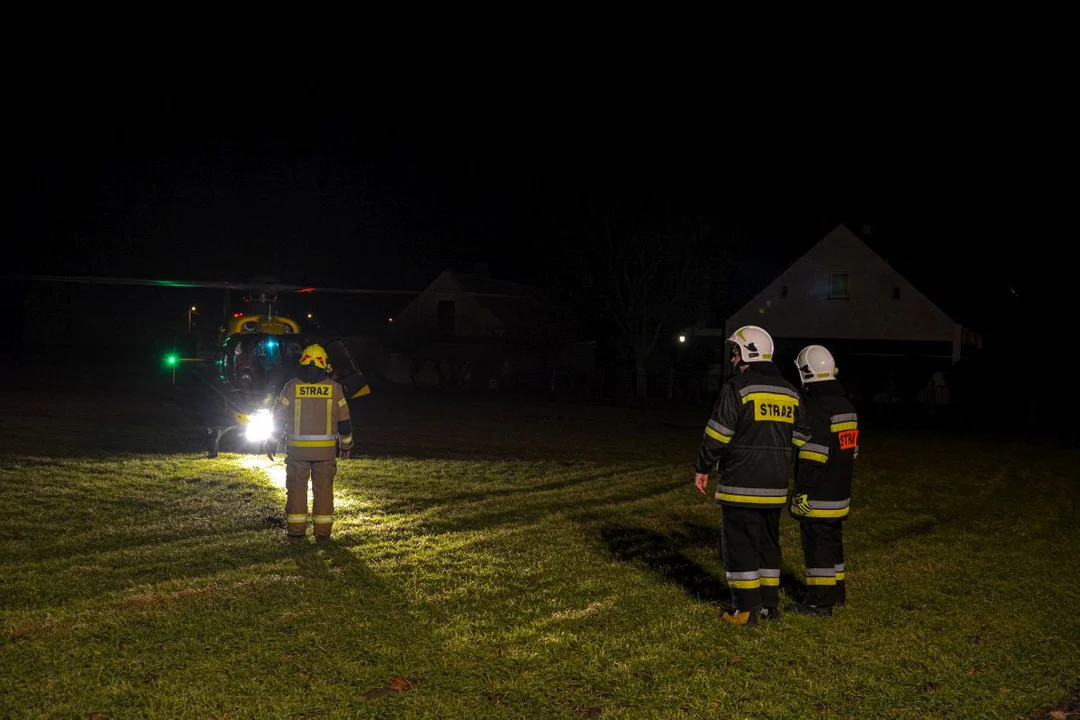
951,279
959,294
508,311
475,283
505,309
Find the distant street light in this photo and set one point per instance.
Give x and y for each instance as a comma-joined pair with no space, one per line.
192,311
682,338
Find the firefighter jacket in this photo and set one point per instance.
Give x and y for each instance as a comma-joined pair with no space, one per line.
751,437
827,462
316,418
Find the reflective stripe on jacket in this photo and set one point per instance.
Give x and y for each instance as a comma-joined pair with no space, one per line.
826,464
755,427
314,414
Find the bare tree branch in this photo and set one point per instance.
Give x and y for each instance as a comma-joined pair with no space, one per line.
642,273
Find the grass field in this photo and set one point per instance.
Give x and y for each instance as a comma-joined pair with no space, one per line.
530,561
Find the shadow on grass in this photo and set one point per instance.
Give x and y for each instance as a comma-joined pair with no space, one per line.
411,504
150,530
138,564
329,559
1067,709
917,529
458,518
546,487
663,554
792,584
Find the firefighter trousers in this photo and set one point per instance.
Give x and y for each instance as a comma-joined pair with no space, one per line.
823,557
750,546
321,473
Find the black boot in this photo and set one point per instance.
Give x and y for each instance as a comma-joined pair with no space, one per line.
769,613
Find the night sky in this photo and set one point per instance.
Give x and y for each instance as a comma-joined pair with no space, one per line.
317,178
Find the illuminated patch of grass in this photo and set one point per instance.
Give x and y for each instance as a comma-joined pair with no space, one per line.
158,585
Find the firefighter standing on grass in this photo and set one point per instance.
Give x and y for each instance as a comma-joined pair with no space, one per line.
750,438
315,414
822,494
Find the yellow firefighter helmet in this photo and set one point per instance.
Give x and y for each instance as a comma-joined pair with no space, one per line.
315,354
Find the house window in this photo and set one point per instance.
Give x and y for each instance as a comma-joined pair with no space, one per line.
896,292
446,316
783,291
838,285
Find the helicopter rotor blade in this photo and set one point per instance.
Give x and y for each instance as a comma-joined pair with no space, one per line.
271,288
139,281
364,291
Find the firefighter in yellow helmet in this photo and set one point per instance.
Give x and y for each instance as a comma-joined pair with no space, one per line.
314,411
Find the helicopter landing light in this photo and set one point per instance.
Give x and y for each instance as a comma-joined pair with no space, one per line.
259,426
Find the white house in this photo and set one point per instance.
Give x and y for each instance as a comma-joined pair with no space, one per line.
845,296
842,289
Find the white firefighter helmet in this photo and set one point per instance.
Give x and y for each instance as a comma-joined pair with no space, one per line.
755,343
815,364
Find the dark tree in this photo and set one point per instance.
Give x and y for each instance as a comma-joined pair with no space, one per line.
642,275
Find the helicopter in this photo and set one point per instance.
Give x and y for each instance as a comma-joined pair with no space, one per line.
256,350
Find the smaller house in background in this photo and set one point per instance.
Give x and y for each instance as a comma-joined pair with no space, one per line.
472,330
891,341
463,305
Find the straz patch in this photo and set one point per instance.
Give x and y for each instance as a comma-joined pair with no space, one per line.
849,439
314,391
774,408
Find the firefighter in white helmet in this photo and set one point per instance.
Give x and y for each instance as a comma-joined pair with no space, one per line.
314,411
822,495
750,440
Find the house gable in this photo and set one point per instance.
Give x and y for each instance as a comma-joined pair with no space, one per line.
842,289
422,312
466,305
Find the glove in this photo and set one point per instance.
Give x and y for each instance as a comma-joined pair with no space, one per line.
343,453
800,504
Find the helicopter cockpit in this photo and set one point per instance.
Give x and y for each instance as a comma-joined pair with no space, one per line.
252,363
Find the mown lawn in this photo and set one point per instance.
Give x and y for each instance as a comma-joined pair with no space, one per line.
537,561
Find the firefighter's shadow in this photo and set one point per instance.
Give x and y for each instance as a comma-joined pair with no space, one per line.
328,560
665,556
790,584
